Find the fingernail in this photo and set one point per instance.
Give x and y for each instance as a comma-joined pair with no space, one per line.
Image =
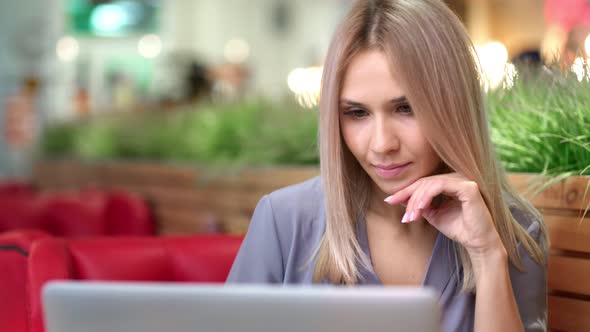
421,205
412,216
404,218
388,199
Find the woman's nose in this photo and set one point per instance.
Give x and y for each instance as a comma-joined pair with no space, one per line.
384,137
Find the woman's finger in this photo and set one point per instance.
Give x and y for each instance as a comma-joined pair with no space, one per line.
412,213
404,194
424,198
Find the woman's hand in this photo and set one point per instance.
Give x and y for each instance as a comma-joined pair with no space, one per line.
461,216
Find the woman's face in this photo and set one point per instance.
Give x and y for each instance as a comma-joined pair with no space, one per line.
379,126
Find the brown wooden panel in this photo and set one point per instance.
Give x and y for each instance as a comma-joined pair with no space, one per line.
526,185
576,193
569,274
567,314
190,221
62,175
179,230
149,174
275,178
220,200
568,233
566,194
563,212
235,224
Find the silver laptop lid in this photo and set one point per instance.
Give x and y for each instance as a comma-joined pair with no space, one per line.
156,307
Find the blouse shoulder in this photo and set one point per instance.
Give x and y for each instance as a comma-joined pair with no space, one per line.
301,203
530,283
284,228
530,219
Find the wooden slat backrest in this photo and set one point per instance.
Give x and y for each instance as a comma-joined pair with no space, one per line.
563,205
569,272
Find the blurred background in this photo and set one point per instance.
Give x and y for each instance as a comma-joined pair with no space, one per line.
200,107
164,118
75,60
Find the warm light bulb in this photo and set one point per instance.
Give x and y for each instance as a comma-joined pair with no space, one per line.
67,48
149,46
236,51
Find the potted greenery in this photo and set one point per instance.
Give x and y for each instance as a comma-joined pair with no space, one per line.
540,126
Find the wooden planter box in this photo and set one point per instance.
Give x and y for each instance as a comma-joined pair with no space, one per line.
563,205
183,199
191,200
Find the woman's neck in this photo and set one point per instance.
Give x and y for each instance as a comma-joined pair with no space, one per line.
378,207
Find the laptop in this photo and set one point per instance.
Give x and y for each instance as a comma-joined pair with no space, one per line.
71,306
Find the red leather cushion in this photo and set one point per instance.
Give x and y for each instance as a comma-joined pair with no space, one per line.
68,215
14,297
207,260
13,290
138,259
49,259
20,212
127,214
193,258
87,213
15,187
198,258
22,238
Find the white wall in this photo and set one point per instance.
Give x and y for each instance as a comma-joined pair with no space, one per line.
27,38
205,26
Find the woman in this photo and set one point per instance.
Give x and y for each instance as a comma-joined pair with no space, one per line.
410,190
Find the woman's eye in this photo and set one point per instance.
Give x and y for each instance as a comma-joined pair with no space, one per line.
404,109
358,113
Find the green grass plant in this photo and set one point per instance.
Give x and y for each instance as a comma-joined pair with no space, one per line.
246,133
540,125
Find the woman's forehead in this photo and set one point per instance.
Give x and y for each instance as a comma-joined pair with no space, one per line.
369,76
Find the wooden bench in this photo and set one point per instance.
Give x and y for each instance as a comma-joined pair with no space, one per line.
563,205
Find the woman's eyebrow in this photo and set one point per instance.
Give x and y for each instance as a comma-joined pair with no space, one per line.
351,103
398,100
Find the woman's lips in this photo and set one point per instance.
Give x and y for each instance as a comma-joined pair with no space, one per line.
390,171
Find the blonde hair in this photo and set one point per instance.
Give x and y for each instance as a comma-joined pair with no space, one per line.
431,53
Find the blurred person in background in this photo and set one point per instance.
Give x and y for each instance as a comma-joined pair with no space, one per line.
21,126
199,81
410,192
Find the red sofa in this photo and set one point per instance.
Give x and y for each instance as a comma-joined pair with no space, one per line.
79,214
199,258
16,187
14,248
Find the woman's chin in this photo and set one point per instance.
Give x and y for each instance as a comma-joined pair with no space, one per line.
387,189
390,187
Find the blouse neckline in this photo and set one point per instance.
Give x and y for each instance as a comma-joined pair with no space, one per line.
442,264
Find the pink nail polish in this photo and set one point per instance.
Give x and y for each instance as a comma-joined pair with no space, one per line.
404,218
388,199
421,205
412,215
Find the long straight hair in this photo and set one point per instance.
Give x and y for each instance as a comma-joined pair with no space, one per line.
432,56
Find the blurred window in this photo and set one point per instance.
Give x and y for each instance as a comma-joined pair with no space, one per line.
112,17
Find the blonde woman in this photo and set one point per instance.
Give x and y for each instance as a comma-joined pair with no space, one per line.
410,191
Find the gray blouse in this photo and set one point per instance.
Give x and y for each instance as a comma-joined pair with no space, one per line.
288,224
